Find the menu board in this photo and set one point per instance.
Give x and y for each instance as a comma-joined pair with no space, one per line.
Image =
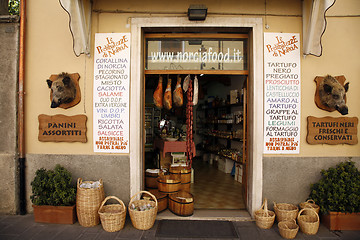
111,92
282,93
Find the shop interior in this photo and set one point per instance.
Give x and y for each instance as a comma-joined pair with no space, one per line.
218,176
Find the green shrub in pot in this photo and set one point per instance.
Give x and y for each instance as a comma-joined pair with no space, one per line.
53,187
338,190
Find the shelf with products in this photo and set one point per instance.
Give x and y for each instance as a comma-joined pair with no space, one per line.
152,118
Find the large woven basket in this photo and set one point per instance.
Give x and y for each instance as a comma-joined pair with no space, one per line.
143,220
264,218
285,211
112,216
288,229
309,222
88,201
310,204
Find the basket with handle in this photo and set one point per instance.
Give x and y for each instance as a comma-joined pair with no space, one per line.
112,216
88,201
310,204
264,218
285,211
143,219
288,229
309,222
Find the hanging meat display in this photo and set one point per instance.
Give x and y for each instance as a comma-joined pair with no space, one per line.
189,123
167,96
196,91
178,93
186,83
158,94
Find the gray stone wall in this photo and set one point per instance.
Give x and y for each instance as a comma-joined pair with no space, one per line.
113,169
288,179
9,48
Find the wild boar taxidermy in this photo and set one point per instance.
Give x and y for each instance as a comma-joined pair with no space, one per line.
331,93
65,90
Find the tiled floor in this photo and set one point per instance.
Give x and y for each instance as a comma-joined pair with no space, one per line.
213,189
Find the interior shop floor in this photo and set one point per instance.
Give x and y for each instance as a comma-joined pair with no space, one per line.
214,189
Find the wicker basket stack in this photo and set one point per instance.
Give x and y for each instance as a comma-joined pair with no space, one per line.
309,222
88,201
288,229
310,204
112,216
264,218
140,218
285,211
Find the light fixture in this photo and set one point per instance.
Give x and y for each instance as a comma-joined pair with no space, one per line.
197,12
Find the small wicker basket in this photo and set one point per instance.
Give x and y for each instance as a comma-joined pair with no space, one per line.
288,229
310,204
143,220
309,222
285,211
88,201
112,216
264,218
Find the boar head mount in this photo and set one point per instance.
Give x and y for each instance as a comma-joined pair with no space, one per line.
331,92
65,90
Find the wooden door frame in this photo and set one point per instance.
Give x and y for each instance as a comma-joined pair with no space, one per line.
255,103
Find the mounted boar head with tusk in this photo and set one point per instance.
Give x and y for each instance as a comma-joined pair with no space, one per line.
332,93
64,89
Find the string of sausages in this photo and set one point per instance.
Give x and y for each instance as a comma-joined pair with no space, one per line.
189,124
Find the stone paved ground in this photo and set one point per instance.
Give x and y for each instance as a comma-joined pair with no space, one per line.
24,227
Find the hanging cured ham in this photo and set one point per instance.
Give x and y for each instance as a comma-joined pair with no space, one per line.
167,96
186,83
178,94
158,94
196,91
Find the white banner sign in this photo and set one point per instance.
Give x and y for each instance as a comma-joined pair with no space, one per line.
282,93
111,92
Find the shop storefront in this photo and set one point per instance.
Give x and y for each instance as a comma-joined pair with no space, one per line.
257,122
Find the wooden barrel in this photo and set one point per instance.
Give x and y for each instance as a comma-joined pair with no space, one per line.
181,203
169,184
183,172
151,176
185,187
160,197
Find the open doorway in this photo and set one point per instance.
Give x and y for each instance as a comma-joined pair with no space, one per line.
219,176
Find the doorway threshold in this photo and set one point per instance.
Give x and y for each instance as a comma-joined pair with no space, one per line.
200,214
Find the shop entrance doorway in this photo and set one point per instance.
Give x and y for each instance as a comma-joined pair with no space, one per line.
218,62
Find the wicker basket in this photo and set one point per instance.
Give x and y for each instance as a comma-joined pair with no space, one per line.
264,218
285,211
143,220
88,201
112,216
309,222
288,229
310,204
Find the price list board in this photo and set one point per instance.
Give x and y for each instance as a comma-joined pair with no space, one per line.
111,92
282,91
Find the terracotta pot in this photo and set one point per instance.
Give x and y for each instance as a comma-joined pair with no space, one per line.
341,221
55,214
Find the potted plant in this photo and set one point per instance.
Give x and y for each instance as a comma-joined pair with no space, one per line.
53,196
338,195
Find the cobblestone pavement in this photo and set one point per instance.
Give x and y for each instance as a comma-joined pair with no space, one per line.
24,227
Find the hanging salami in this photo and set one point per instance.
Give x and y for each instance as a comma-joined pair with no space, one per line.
189,124
178,93
167,96
158,94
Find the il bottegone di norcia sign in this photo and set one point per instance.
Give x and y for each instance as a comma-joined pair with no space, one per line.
61,128
329,130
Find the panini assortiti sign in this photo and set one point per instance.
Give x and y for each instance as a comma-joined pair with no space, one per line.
111,92
61,128
282,93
